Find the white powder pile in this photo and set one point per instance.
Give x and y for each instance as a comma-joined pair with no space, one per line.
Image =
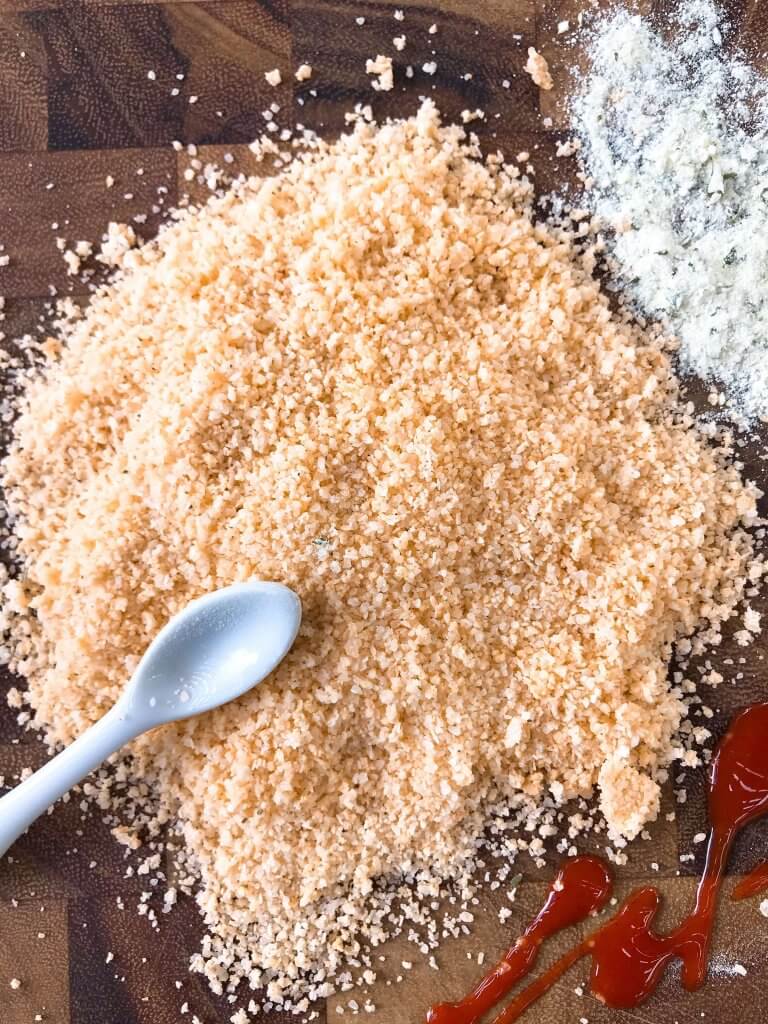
675,134
372,377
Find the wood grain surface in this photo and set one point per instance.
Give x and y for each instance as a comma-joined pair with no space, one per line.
78,103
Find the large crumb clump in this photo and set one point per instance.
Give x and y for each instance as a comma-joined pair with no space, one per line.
382,68
373,378
537,67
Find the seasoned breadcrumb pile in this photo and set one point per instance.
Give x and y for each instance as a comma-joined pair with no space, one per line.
373,378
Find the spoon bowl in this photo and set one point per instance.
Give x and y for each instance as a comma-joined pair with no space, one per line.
213,651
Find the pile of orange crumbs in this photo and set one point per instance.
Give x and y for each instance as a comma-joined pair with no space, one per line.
373,378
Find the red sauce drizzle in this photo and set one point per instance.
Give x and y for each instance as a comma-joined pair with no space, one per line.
755,883
628,957
582,886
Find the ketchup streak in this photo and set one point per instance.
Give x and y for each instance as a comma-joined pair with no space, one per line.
628,957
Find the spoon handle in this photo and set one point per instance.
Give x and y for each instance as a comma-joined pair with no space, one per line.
25,803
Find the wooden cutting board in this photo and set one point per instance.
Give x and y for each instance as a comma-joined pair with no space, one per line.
86,92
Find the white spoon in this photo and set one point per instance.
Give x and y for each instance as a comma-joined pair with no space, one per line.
214,650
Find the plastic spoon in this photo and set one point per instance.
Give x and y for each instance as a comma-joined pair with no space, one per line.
214,650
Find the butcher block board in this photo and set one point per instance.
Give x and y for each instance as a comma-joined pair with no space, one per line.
78,103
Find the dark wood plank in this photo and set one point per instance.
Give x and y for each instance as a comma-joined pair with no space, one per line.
70,190
99,94
55,5
228,47
34,951
113,72
23,96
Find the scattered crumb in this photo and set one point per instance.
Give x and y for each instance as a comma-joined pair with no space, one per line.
126,837
752,620
382,67
537,67
117,242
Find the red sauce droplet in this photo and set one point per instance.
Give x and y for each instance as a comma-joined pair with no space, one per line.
628,957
